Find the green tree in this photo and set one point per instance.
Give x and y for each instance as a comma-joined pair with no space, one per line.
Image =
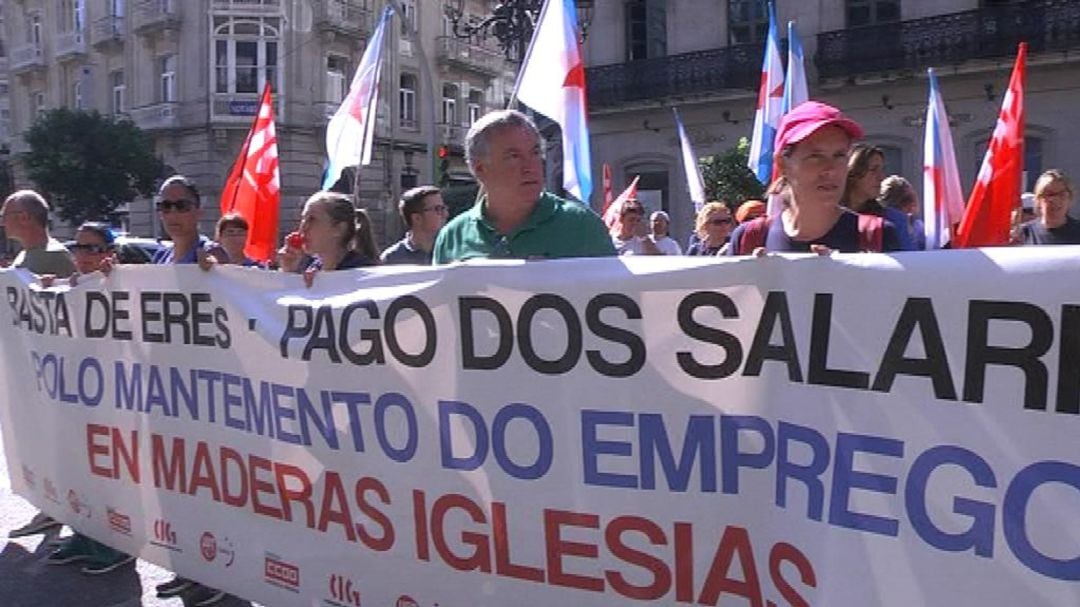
727,177
87,164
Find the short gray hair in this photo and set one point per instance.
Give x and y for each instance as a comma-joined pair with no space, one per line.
31,203
480,133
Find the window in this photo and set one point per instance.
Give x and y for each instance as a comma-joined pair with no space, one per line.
71,16
748,21
407,101
337,70
1033,160
37,104
77,95
33,29
167,71
449,104
408,16
646,29
872,12
245,54
118,92
894,159
116,8
476,106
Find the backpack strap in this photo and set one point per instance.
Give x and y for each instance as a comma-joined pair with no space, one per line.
871,233
753,235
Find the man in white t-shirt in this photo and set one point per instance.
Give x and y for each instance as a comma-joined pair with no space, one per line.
659,223
630,237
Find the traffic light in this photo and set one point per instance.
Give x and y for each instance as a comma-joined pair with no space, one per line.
442,167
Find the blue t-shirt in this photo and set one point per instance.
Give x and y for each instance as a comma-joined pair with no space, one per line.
165,255
843,237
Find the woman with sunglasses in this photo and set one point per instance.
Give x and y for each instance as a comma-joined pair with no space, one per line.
328,231
1053,196
713,226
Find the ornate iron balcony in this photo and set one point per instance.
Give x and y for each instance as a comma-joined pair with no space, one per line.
985,33
687,75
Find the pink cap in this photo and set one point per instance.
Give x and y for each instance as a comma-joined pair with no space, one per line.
807,118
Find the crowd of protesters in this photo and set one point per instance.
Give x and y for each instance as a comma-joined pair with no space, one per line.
831,194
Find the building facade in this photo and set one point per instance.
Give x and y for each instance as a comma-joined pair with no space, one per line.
868,57
190,72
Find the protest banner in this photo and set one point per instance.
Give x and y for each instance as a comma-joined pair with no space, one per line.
856,430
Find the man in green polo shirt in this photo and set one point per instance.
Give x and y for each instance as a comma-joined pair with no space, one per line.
517,219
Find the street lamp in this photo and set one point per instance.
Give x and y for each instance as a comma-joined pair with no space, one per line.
511,23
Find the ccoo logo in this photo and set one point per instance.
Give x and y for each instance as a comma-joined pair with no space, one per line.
406,601
343,591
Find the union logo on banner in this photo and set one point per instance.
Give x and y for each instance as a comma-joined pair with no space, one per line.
75,501
406,601
51,494
210,548
344,592
165,535
282,574
118,521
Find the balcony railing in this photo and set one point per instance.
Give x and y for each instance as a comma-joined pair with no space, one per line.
698,73
463,54
156,116
985,33
239,107
248,6
349,17
155,15
107,30
70,44
27,57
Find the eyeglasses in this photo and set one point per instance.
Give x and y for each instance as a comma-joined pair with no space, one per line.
89,248
439,208
1062,193
720,222
180,206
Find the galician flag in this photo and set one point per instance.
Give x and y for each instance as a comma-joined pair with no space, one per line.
253,188
552,82
769,105
988,215
694,183
351,131
795,88
943,201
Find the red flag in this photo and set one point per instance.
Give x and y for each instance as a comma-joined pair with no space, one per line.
253,186
997,190
612,212
608,196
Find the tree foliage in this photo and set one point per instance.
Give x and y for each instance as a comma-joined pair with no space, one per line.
728,178
87,164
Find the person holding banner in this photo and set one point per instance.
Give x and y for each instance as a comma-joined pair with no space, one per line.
328,228
231,233
179,208
1054,195
813,145
516,218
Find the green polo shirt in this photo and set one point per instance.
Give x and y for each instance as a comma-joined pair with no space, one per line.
556,228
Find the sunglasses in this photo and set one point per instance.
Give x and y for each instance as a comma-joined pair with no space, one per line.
89,248
720,222
180,206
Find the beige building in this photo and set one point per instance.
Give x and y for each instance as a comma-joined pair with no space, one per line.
868,57
190,72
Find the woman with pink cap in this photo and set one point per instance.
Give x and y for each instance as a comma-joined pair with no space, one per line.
812,147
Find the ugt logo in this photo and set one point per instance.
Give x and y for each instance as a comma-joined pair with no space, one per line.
343,591
165,535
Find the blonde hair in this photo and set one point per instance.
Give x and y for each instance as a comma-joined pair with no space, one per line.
1051,176
703,216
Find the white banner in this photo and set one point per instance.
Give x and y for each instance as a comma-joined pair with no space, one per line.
861,430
